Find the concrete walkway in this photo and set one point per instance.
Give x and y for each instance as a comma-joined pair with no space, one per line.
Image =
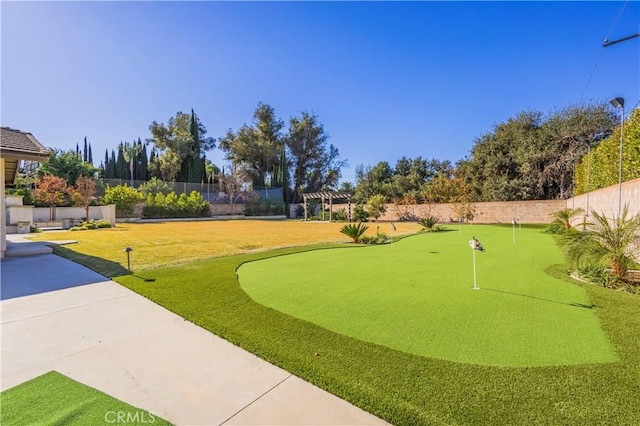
99,333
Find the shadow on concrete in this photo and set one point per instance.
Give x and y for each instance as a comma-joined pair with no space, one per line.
25,276
577,305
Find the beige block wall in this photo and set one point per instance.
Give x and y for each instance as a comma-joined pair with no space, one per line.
486,212
605,200
226,209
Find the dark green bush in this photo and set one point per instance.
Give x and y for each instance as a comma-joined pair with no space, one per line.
172,205
258,206
340,215
360,214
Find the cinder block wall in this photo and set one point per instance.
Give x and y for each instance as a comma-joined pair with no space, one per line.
603,200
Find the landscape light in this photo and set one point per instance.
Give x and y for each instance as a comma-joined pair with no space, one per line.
128,250
619,103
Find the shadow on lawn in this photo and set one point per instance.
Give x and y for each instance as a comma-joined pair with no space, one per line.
102,266
577,305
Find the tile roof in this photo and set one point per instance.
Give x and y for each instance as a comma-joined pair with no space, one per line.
18,142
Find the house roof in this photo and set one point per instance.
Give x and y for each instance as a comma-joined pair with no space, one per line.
16,145
21,145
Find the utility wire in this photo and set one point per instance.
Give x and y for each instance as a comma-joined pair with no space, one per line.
595,65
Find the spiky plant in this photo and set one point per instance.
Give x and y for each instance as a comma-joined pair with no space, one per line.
428,223
605,240
564,216
354,231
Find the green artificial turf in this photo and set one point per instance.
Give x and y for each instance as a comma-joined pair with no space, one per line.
416,296
54,399
403,388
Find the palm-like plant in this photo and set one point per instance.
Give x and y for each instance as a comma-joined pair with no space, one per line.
605,240
354,231
564,216
428,223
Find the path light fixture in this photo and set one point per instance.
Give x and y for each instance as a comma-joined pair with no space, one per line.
619,103
128,250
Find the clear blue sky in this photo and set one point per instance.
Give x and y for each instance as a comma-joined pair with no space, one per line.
386,79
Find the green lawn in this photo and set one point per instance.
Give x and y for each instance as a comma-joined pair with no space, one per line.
54,399
416,296
404,388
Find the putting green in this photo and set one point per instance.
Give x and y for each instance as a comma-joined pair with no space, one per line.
416,296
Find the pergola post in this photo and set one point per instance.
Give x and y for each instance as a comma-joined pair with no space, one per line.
349,202
330,207
304,198
323,208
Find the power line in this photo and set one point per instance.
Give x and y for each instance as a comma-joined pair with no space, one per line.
597,62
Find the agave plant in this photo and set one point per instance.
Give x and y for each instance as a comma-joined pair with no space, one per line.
428,223
354,231
605,240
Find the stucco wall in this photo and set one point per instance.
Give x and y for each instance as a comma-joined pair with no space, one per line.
108,213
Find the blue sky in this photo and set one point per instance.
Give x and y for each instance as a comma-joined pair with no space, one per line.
386,79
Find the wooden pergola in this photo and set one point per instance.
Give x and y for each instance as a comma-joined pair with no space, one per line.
327,195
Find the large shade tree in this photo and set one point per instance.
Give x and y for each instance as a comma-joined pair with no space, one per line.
257,148
315,164
181,145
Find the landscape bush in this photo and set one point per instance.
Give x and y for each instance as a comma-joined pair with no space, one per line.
258,206
123,196
91,224
360,214
171,205
154,186
340,215
355,231
429,224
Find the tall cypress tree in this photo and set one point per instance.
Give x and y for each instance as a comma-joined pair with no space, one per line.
112,165
143,163
85,157
90,155
105,167
121,165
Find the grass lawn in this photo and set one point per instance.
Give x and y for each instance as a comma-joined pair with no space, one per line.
404,388
170,243
54,399
416,296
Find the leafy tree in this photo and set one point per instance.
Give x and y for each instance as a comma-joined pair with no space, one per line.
605,240
84,193
257,148
52,191
316,166
376,206
532,157
234,184
181,144
66,165
372,181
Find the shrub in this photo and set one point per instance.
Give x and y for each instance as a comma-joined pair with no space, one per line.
376,206
155,186
556,227
258,206
354,231
172,205
123,196
379,238
429,223
360,214
340,215
91,224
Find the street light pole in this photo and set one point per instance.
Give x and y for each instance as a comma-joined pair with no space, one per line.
619,103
